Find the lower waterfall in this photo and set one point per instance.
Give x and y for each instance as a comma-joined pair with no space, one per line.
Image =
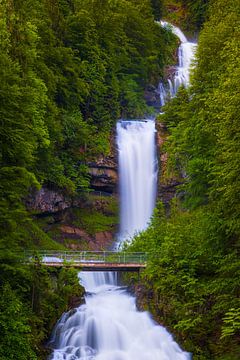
109,326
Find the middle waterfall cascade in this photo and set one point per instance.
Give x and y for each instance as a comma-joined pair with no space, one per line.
109,326
186,53
137,175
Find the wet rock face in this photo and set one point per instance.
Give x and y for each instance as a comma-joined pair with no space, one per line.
98,241
88,223
66,218
170,71
103,178
48,201
168,183
168,192
75,232
151,96
104,171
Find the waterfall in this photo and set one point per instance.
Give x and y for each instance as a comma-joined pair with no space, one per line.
181,74
137,175
109,326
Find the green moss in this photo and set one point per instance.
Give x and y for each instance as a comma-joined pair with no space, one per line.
41,238
188,14
109,204
93,221
99,213
81,244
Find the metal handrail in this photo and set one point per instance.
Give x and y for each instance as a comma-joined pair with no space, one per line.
113,257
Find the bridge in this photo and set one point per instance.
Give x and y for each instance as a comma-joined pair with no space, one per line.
89,260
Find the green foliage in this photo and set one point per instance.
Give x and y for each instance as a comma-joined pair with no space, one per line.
14,184
29,313
15,331
157,8
231,323
51,294
194,264
68,70
189,14
194,278
99,214
204,133
95,221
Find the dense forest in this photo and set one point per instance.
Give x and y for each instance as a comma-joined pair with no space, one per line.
194,278
68,70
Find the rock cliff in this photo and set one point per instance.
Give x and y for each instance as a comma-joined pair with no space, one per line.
168,183
104,171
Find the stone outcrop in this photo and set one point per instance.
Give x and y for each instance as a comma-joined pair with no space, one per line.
76,232
103,178
104,170
48,201
152,97
170,71
167,192
168,183
99,241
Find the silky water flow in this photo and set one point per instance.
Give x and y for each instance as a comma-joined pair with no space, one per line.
109,326
181,75
137,175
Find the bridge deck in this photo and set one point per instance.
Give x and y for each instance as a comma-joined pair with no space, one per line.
97,266
89,260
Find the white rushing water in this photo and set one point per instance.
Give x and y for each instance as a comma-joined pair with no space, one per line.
109,326
186,52
137,175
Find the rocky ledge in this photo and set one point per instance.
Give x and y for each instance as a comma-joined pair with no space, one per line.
168,182
103,178
100,240
152,96
104,170
46,200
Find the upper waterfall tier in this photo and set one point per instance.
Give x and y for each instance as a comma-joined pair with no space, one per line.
186,53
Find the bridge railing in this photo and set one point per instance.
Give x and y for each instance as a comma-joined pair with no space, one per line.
113,257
